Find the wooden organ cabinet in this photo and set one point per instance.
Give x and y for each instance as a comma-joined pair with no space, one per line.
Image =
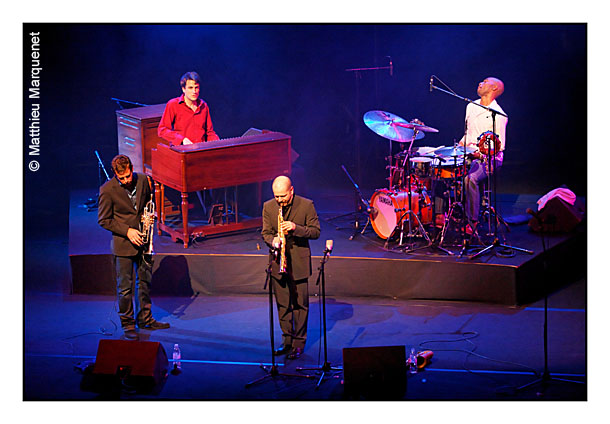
227,162
137,132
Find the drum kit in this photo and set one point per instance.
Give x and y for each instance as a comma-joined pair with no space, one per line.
404,211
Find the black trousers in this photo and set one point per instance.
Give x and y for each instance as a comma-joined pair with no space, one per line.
134,275
292,299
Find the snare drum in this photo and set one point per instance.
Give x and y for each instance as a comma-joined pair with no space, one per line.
450,168
422,166
388,206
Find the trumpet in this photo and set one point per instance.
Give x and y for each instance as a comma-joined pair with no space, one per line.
147,225
282,236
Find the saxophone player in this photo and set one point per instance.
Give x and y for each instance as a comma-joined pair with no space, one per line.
298,224
122,202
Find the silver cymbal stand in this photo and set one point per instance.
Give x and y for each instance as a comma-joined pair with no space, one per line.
408,210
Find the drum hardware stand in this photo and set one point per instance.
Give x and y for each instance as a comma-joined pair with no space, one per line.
452,209
272,371
400,227
361,204
491,212
400,224
326,368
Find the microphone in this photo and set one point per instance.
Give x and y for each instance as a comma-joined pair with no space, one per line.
329,247
391,66
431,82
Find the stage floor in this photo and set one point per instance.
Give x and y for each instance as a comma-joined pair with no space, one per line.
360,265
483,350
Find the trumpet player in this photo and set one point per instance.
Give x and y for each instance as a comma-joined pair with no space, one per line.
122,201
297,224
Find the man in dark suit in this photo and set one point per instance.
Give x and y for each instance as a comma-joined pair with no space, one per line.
300,224
121,203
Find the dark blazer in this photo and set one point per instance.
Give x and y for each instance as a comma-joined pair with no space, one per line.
303,214
116,213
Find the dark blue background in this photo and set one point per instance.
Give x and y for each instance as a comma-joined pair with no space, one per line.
292,78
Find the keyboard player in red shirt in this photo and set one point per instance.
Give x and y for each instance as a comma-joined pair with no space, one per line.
186,119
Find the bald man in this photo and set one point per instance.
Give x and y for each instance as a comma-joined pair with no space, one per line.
478,121
291,292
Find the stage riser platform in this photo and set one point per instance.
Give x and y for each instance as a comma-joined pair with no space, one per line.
184,275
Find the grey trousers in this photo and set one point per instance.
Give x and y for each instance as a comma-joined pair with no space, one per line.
133,276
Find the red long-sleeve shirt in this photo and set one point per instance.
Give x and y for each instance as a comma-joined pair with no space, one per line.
180,121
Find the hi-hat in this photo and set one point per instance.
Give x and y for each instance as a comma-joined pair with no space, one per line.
417,127
391,126
454,151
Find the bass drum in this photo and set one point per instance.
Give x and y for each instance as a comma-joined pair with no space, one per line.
388,206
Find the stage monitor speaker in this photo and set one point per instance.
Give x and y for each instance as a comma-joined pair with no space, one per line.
139,366
557,215
377,373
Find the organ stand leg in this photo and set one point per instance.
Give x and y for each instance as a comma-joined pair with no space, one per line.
159,199
185,218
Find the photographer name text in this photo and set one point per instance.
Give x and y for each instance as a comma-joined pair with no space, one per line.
33,129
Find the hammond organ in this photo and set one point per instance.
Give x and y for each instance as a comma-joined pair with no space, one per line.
217,164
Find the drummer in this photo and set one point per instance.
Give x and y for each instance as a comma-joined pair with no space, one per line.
478,121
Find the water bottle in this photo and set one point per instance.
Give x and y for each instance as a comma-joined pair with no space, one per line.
176,357
413,362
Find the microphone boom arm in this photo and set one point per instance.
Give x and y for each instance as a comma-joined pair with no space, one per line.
468,100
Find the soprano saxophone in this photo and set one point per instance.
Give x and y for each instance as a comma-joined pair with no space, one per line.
147,225
282,237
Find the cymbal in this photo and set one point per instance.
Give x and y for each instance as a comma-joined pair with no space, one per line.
454,151
386,125
418,127
421,159
427,150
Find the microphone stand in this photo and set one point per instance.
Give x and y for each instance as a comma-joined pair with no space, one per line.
546,375
119,101
491,167
496,241
92,203
326,368
272,371
359,201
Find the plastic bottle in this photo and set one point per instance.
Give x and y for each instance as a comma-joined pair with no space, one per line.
176,357
413,362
